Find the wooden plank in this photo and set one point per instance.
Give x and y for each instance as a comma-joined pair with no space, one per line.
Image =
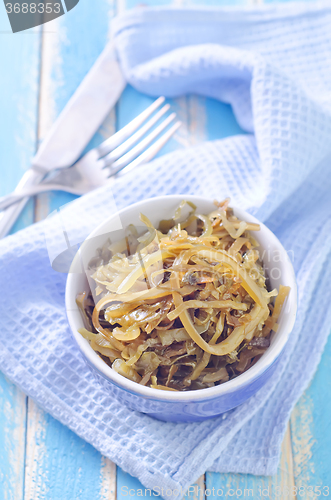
66,60
12,440
198,131
18,103
284,480
310,431
191,132
256,487
108,479
222,123
286,465
197,490
311,437
132,102
58,463
202,119
190,110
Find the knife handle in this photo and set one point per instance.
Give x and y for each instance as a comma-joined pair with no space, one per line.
9,216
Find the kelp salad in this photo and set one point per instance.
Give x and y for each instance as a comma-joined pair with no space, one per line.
184,306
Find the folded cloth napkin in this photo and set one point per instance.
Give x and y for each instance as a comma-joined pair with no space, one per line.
274,67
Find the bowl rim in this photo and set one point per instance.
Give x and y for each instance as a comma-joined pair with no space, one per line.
242,380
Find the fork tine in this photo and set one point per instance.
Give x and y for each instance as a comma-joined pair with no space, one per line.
140,147
125,146
126,131
149,153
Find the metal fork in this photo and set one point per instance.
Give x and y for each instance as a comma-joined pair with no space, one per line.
112,156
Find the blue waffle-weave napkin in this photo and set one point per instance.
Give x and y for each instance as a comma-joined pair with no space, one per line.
274,67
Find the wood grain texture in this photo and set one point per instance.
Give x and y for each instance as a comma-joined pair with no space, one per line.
12,440
256,487
19,86
191,132
201,119
58,464
311,436
108,479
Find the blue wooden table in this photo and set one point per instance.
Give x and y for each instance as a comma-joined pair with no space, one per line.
40,458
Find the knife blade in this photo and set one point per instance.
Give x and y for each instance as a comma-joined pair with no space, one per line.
75,126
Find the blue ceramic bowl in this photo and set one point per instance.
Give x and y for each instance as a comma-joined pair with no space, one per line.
192,405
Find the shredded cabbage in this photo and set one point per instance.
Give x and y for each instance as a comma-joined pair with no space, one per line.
183,306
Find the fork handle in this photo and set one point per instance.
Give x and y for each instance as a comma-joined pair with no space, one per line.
9,216
9,199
